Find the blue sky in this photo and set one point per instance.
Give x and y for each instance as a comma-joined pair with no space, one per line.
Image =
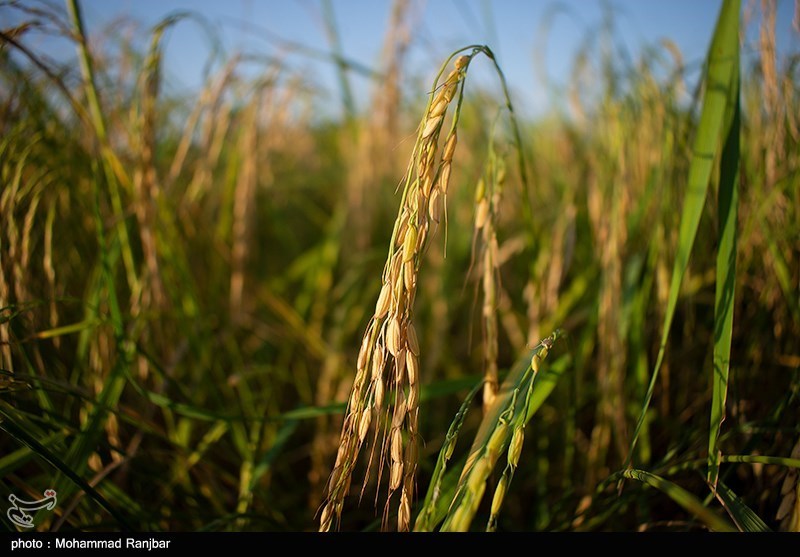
512,28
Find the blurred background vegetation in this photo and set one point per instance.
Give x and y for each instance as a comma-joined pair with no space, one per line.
185,279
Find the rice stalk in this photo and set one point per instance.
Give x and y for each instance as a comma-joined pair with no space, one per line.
243,204
145,180
487,199
366,146
426,518
208,100
385,393
502,430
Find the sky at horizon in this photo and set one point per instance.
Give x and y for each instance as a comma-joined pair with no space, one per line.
520,32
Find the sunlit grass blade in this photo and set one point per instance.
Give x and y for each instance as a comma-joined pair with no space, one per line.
85,442
682,497
722,65
726,269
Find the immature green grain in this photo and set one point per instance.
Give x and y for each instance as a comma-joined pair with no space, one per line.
505,433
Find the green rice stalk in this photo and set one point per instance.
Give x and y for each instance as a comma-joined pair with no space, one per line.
502,428
425,519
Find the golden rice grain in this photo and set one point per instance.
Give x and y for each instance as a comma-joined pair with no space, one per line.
397,445
482,213
396,475
379,393
431,126
363,426
409,276
383,303
412,367
393,335
450,147
413,397
404,512
461,62
444,177
400,368
435,205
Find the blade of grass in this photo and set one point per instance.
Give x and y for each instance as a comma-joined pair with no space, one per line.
12,461
722,65
332,33
85,442
742,515
9,425
269,458
682,497
112,168
761,459
726,271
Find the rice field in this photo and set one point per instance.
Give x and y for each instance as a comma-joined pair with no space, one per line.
221,312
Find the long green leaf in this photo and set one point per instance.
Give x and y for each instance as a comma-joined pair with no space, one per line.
722,65
110,162
762,459
683,498
742,515
15,460
726,270
9,425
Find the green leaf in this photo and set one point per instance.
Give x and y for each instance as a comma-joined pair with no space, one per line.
726,270
722,67
742,515
10,426
682,497
14,460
